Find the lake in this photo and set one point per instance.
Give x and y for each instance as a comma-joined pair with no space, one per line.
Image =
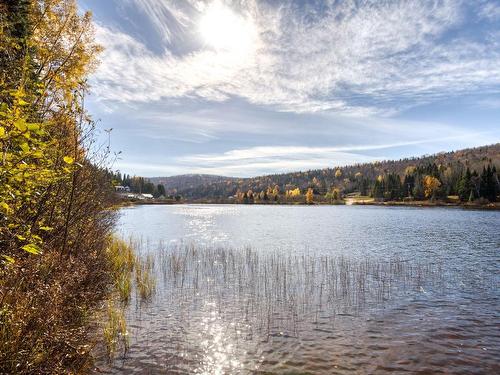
314,290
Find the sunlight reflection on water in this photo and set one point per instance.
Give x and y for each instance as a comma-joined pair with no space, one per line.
219,350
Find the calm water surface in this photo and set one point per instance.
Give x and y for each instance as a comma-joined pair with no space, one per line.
325,290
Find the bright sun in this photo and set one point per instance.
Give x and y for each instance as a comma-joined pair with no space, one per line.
224,30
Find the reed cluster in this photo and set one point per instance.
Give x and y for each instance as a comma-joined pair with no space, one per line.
276,290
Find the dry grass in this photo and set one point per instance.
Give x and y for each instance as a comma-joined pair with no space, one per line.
46,306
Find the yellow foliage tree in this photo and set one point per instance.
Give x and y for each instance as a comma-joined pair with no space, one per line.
276,190
55,193
42,82
293,193
310,196
431,185
410,170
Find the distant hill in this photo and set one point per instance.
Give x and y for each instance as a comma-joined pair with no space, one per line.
447,166
185,182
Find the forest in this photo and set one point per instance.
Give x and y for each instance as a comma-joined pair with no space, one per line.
469,175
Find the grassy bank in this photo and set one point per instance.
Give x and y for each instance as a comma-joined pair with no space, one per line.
48,303
52,322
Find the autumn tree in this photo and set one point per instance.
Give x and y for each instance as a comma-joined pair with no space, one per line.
239,196
55,193
431,186
276,192
310,196
293,193
334,195
50,50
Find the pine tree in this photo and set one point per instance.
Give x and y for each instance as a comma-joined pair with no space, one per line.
418,189
464,186
495,185
489,187
378,188
409,184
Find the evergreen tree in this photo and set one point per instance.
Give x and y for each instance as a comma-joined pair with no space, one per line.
495,184
418,189
465,186
408,184
488,188
393,187
161,190
378,188
475,184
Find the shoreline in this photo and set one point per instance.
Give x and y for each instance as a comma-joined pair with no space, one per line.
417,204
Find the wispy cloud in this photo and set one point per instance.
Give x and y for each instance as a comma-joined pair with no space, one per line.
372,58
322,83
489,10
169,18
307,159
353,153
245,162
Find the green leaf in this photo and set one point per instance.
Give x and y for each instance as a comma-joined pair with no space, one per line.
33,127
25,147
5,207
32,249
8,259
47,229
2,132
20,125
68,160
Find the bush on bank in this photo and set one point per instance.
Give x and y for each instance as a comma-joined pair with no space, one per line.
55,191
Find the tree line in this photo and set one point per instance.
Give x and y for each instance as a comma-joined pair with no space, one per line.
470,175
141,185
438,182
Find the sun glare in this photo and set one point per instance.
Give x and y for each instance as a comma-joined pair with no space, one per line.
225,30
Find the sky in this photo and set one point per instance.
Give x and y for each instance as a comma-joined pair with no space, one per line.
252,87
